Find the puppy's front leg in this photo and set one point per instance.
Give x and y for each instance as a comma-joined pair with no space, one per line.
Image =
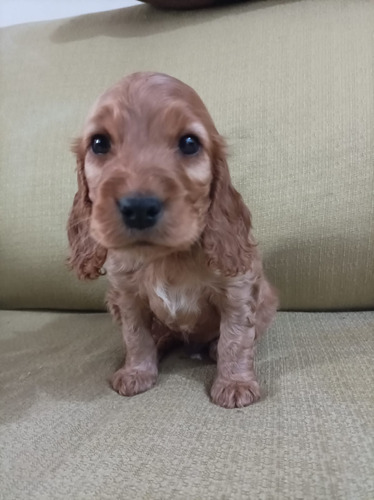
139,372
236,385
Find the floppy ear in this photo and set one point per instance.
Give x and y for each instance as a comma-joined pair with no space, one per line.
86,256
226,238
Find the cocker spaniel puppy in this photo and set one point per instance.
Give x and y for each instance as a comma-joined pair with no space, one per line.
156,209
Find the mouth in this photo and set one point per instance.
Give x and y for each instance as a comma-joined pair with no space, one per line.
139,245
143,244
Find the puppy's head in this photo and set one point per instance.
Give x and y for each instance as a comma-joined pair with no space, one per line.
152,178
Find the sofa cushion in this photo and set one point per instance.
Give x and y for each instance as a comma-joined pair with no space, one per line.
289,84
66,434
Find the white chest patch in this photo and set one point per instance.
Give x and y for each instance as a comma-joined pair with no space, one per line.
179,299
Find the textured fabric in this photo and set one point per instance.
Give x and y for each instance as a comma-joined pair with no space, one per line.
289,84
66,434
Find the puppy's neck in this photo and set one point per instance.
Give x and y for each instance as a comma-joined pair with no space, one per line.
133,259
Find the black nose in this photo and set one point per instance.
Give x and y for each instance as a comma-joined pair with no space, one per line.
140,212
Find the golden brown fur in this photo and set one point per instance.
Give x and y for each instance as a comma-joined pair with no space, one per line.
196,275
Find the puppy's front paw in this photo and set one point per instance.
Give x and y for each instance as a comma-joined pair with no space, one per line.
128,381
232,394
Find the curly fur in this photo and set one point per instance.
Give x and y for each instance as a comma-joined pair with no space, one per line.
196,276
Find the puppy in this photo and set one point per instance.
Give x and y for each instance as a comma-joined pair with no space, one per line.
156,207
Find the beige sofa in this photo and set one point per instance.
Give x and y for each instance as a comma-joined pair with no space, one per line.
290,85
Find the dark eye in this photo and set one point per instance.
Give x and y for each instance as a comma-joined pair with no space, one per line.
189,144
100,144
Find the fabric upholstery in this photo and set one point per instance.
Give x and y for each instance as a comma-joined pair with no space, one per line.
66,434
289,84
